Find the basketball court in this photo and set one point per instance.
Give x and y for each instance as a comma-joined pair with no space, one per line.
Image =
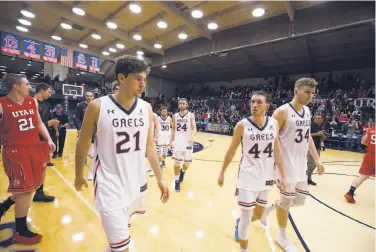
202,216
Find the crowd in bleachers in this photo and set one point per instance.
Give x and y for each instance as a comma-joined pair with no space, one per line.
335,96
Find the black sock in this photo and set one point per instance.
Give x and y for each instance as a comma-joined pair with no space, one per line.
40,188
22,229
352,190
6,205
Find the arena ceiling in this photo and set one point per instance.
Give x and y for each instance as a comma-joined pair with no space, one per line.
176,14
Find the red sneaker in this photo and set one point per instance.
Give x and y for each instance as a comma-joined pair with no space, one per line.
350,198
17,238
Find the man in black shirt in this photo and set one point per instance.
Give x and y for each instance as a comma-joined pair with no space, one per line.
80,110
317,133
43,92
62,130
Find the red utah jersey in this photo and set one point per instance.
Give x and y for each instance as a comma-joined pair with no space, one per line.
19,123
371,139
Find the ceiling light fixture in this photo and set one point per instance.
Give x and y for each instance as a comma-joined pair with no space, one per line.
137,36
120,46
140,53
96,36
55,37
157,45
111,25
66,26
78,11
22,72
164,66
135,8
27,13
212,26
258,12
197,13
105,53
24,22
183,35
112,50
23,29
162,24
83,45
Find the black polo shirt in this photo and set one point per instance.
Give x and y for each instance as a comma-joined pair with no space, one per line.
44,109
63,119
316,139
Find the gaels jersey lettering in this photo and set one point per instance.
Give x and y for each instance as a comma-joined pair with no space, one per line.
294,142
19,122
371,140
257,162
165,125
120,147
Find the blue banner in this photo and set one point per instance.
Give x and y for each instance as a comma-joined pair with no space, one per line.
31,48
50,53
81,60
94,63
10,43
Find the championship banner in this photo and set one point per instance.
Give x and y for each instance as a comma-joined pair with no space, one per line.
218,127
10,43
31,48
50,53
81,60
94,63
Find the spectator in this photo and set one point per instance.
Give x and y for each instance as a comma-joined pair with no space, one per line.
62,131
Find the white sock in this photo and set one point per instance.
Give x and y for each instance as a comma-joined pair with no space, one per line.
243,250
177,177
283,232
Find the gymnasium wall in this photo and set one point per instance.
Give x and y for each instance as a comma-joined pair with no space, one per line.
157,85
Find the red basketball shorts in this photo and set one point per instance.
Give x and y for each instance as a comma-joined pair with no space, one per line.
368,165
45,152
24,167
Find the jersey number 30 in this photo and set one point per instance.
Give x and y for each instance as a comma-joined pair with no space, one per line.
255,150
119,146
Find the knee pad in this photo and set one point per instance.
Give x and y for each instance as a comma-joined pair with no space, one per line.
245,221
285,203
299,200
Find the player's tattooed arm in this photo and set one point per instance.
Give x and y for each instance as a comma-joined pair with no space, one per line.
235,142
84,140
278,159
193,124
172,130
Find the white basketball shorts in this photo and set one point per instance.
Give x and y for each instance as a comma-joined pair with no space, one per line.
115,224
163,140
247,200
300,188
181,156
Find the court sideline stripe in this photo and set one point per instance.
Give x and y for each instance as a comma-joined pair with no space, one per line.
341,212
82,198
298,234
269,237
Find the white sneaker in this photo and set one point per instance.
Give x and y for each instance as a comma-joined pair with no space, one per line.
151,174
286,244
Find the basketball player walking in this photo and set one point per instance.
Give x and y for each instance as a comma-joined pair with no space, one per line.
164,135
294,119
367,168
124,132
156,127
258,135
20,126
184,129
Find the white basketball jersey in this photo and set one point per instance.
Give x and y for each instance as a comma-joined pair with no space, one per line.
165,126
256,170
120,162
294,139
183,131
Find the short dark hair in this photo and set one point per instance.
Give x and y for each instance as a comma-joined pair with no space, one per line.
263,93
42,86
11,78
163,107
129,64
